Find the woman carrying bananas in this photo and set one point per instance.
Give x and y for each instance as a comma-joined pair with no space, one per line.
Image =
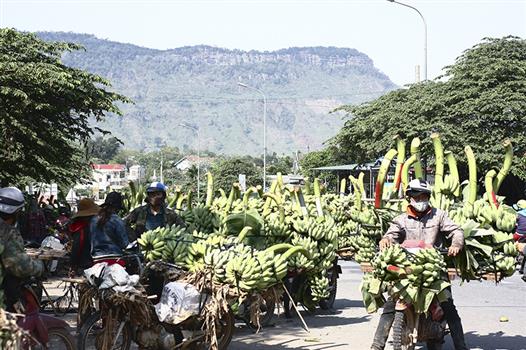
424,223
108,233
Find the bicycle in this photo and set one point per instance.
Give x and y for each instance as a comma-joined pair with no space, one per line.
116,326
62,304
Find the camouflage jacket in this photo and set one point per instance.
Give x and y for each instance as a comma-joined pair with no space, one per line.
136,220
15,261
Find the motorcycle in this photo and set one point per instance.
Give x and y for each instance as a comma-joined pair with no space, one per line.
47,332
295,282
410,327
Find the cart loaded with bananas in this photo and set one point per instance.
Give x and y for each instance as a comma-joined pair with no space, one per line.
240,247
487,222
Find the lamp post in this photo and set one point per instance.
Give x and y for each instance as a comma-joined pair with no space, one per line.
425,33
196,129
264,130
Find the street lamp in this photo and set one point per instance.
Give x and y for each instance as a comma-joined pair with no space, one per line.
425,33
264,130
196,129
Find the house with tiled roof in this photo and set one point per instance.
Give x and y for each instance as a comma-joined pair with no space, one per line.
107,176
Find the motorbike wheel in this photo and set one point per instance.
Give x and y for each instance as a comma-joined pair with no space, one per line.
225,328
402,332
328,303
91,330
60,339
266,314
224,331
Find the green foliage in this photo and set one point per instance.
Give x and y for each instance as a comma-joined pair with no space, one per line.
324,157
45,110
278,164
102,150
226,172
480,101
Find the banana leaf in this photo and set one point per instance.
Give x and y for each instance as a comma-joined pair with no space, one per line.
236,222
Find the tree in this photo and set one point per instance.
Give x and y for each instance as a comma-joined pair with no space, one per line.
103,150
226,172
46,110
480,101
279,164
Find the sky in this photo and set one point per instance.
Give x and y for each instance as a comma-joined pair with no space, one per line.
390,34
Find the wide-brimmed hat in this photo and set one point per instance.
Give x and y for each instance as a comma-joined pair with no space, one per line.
87,207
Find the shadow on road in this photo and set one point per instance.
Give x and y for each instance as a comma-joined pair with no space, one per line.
495,340
286,345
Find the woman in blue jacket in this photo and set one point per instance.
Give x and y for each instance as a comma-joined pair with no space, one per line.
108,233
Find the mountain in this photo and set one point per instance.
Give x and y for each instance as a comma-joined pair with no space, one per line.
198,85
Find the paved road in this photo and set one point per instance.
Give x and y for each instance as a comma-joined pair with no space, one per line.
480,304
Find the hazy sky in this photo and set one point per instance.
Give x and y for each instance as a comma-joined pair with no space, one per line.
390,34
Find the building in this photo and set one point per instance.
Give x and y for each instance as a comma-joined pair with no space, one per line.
187,162
108,177
136,173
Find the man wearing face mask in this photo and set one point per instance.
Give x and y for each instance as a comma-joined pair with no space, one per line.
422,222
153,214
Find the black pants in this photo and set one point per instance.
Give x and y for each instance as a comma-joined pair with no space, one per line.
450,314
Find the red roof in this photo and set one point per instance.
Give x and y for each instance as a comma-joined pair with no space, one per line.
116,167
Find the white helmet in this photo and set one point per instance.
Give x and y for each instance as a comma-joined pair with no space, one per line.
11,200
416,187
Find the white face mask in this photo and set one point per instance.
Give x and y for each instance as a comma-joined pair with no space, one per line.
419,206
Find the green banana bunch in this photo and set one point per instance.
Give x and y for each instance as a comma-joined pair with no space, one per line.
449,185
366,248
426,267
504,265
394,256
319,287
152,243
201,218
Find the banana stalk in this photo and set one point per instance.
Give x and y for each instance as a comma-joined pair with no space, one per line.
259,188
272,189
277,200
209,189
180,201
301,200
439,167
317,196
343,185
189,200
380,180
472,166
306,186
280,181
400,146
247,194
453,170
488,183
222,193
243,234
405,171
175,197
361,175
357,192
508,158
415,150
